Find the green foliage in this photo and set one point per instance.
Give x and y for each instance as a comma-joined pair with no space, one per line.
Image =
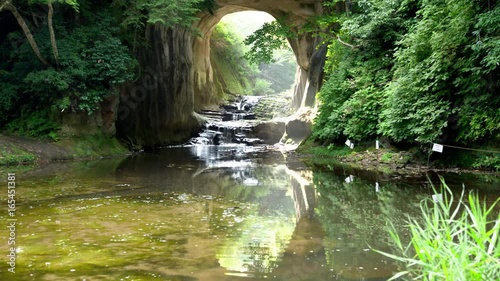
72,3
280,73
420,99
479,78
273,75
95,60
207,5
411,71
387,157
264,41
16,159
227,42
331,152
452,241
39,123
92,61
234,72
236,75
47,81
354,93
136,14
8,98
488,162
170,13
262,87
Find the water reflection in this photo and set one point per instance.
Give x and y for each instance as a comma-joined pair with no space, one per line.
206,213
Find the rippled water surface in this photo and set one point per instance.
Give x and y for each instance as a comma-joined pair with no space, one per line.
210,213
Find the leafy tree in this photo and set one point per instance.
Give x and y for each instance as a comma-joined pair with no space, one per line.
88,59
9,6
358,70
281,72
264,41
421,96
411,70
91,61
134,15
479,79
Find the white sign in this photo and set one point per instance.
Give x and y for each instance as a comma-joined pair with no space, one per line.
348,143
437,197
351,146
349,179
437,147
377,145
377,187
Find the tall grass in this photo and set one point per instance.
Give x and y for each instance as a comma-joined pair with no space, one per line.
454,240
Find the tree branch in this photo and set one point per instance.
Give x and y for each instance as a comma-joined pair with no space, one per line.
20,20
346,44
52,33
3,5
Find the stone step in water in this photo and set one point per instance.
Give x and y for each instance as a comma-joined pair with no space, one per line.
229,125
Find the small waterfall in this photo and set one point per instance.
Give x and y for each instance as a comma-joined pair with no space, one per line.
230,125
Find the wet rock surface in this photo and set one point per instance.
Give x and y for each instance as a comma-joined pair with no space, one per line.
233,123
270,132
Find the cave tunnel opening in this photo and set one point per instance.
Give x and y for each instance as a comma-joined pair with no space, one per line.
234,74
293,64
163,106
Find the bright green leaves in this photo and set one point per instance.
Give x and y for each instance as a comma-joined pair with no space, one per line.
233,73
166,12
419,65
47,81
352,99
435,73
95,64
362,113
478,80
110,61
410,115
264,41
453,239
487,43
171,13
92,61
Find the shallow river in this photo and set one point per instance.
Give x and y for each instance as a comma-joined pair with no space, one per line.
210,213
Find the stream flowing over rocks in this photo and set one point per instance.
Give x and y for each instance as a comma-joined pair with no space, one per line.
233,123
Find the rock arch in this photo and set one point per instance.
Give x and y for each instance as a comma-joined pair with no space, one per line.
159,107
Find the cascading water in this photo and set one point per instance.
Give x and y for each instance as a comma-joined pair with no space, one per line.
230,125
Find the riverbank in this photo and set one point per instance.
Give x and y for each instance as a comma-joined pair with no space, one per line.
18,150
392,160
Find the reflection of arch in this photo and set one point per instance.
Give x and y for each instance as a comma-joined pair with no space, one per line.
295,13
303,193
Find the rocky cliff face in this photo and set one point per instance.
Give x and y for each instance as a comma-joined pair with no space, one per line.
157,109
178,78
